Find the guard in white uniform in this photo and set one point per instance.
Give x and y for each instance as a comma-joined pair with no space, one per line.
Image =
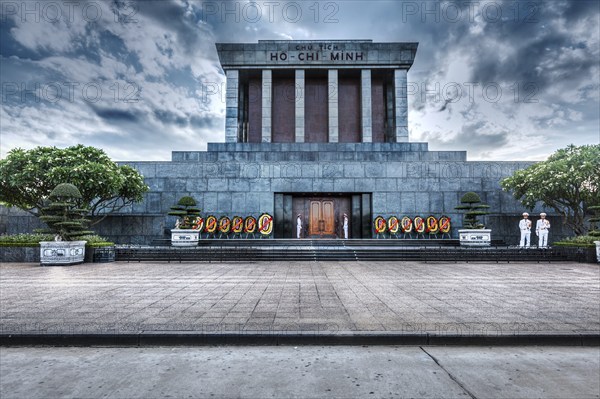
525,227
345,226
542,227
299,226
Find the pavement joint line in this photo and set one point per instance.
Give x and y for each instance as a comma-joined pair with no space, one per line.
452,377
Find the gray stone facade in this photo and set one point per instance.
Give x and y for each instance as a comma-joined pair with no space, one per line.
243,179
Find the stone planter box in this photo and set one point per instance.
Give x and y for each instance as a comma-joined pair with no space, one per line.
100,254
475,237
62,253
184,238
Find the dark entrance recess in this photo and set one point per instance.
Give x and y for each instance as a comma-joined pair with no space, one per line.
322,215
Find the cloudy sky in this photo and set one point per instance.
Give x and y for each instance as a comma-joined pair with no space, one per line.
500,79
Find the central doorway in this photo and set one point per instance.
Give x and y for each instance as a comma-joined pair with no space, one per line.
321,220
321,215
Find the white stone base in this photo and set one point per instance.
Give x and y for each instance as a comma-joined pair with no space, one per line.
61,253
184,238
475,237
597,251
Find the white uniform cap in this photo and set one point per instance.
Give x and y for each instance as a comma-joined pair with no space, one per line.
525,214
542,214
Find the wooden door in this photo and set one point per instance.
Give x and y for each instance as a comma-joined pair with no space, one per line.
328,217
321,218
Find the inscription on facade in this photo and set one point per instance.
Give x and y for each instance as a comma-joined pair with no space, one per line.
308,56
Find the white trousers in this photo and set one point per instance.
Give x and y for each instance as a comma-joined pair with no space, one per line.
543,240
525,236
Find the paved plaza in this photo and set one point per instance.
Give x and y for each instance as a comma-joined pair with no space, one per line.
325,297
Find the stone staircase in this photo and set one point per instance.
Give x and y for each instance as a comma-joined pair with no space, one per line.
339,250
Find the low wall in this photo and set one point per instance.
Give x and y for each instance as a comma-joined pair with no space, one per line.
20,254
32,254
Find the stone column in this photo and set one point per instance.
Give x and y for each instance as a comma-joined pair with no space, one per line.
299,106
401,105
367,116
267,84
332,88
231,106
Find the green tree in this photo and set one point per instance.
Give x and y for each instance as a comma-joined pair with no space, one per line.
28,177
567,182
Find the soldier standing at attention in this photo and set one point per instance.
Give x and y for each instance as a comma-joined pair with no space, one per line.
525,227
345,226
541,230
299,226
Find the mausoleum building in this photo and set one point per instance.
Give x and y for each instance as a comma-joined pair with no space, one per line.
316,134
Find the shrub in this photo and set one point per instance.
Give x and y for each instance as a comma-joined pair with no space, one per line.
96,241
471,203
186,211
33,240
579,241
64,217
24,240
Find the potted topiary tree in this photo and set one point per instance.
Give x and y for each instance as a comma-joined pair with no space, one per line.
473,232
66,220
595,229
186,232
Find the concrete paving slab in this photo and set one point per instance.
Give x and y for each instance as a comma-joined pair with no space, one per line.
436,300
555,372
300,372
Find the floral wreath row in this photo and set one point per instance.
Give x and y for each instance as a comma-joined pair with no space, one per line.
236,225
431,225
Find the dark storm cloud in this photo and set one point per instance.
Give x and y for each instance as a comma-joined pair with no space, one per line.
116,115
538,50
196,121
170,118
205,122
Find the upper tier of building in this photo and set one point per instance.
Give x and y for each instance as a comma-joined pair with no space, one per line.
307,54
299,91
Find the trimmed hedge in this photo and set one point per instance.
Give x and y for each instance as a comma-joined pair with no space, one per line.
580,241
33,240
